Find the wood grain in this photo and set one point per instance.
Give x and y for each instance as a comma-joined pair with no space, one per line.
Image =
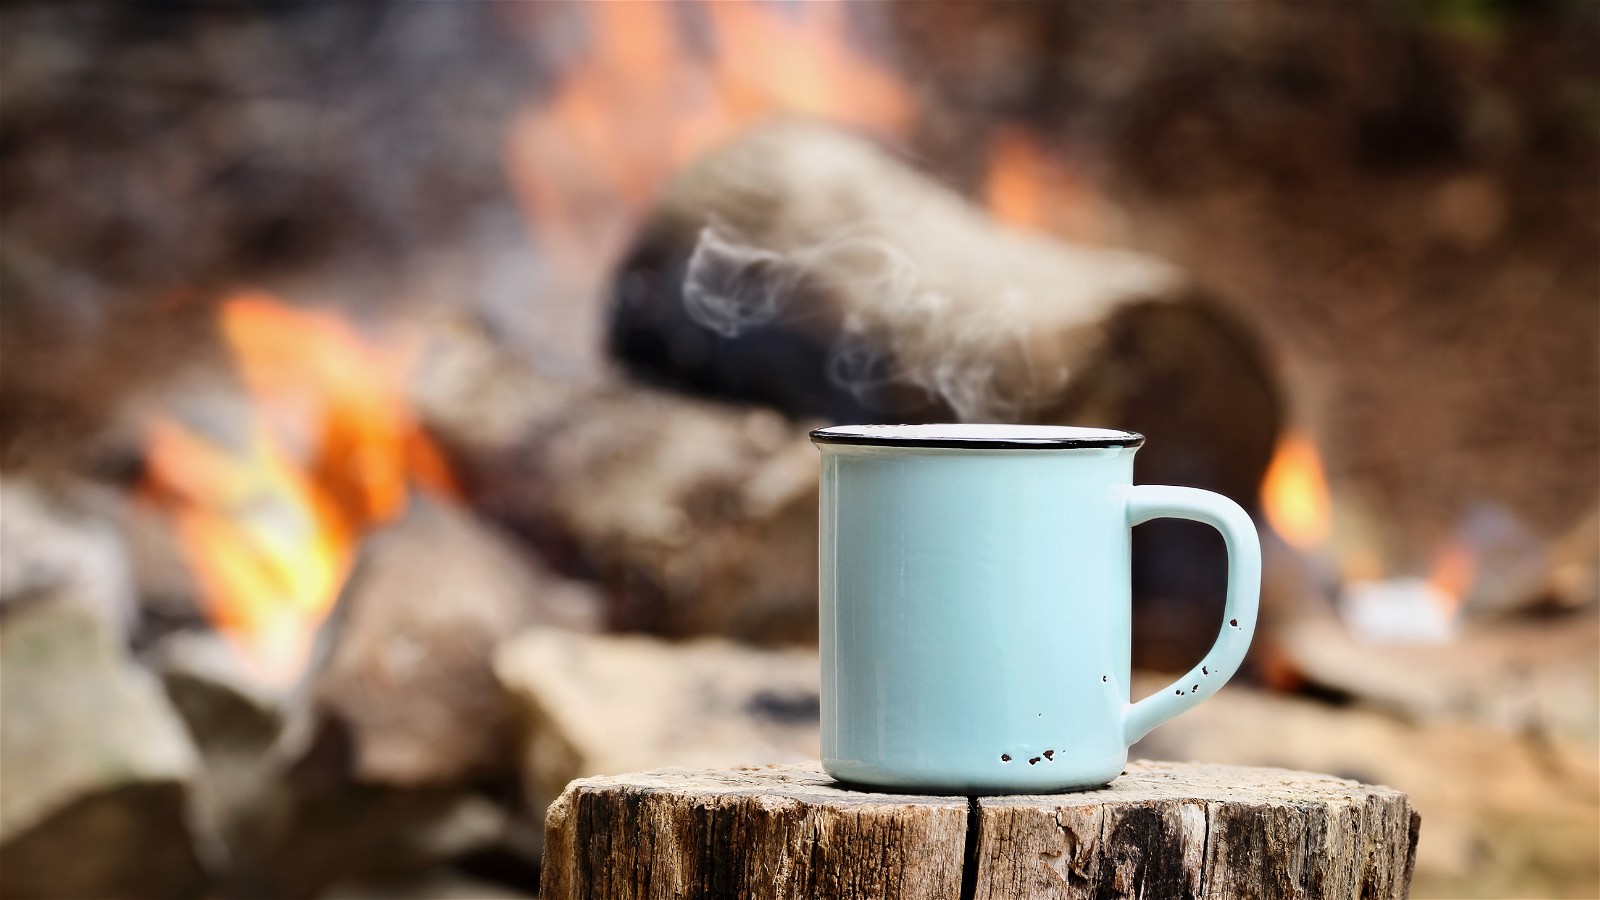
1162,830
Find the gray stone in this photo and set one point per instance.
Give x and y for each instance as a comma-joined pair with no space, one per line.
95,763
603,705
57,539
405,680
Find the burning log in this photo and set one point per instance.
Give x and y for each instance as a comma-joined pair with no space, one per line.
814,273
605,705
96,765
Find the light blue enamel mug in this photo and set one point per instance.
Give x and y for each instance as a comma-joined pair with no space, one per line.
976,605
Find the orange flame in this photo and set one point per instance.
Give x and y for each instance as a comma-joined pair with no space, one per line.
271,538
1295,493
1028,188
643,101
1453,572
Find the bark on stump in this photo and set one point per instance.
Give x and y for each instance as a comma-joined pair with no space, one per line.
1162,830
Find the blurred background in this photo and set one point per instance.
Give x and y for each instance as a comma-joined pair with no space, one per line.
405,404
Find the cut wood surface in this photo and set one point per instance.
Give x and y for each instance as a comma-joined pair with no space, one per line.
1162,830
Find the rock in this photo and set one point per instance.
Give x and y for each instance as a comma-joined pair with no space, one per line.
1571,580
289,820
95,763
404,683
1539,675
305,836
695,517
235,722
57,539
601,705
1507,813
223,704
701,518
170,598
441,885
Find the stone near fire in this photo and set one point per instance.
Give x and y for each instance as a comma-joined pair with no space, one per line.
234,721
1533,674
283,825
95,764
1572,579
600,705
694,516
57,539
404,682
312,836
698,517
438,885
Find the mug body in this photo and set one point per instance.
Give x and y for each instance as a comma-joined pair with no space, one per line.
975,606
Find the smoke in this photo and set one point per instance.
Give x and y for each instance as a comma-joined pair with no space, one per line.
897,328
730,287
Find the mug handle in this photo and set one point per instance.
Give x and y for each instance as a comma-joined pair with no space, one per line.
1156,501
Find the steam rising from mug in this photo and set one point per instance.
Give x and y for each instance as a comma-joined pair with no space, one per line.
909,333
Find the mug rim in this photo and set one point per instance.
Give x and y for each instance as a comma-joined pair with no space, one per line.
979,436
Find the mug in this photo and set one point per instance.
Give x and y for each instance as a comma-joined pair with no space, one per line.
976,605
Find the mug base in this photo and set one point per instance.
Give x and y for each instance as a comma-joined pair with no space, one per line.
858,777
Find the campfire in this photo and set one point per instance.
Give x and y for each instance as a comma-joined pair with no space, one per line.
654,88
407,406
330,452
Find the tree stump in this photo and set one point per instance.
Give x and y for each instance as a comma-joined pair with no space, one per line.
1162,830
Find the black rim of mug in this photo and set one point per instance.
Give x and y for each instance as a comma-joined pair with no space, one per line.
1018,437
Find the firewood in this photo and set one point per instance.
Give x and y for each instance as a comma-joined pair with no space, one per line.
1162,830
815,273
